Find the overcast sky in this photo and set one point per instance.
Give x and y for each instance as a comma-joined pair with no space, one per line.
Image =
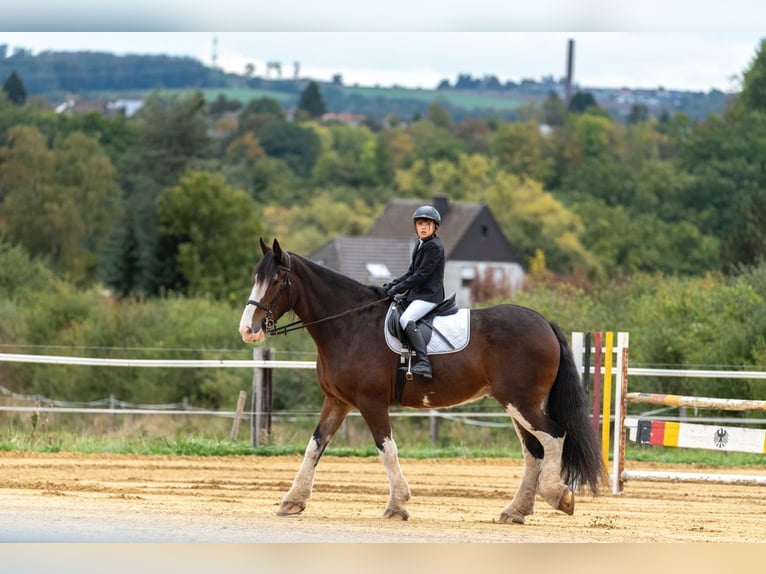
675,44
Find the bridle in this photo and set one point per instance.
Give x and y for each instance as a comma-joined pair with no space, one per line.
270,323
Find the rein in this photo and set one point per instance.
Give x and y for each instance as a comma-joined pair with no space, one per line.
296,325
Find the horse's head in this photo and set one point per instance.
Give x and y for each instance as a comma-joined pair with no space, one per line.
270,297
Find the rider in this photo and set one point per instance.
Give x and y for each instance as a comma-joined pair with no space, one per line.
423,281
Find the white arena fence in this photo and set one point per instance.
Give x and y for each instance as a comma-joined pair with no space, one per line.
615,365
113,405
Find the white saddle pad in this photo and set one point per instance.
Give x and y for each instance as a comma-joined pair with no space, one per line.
451,333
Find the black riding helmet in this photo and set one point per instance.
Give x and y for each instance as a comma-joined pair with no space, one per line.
427,212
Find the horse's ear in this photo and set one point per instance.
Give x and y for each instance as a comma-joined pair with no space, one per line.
277,250
264,247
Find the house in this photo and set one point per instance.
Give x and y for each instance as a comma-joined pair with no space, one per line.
369,260
474,245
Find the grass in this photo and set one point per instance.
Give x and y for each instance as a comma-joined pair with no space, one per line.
132,434
290,439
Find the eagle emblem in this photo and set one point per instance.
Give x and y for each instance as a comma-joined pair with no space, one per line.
721,437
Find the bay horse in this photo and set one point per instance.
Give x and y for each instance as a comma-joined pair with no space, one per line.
514,355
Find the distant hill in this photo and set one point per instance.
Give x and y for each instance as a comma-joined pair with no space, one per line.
57,75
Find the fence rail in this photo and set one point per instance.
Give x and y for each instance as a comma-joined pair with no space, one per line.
259,365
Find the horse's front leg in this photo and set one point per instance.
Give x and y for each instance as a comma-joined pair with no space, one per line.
332,415
399,491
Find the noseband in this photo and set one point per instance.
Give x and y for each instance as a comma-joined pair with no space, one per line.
270,323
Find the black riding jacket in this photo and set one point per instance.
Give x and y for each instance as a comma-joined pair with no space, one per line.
425,277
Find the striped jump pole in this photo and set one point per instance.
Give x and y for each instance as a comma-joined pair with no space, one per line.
692,435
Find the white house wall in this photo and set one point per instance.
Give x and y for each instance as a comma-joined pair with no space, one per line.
455,271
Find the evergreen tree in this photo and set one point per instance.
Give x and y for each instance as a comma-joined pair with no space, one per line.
312,102
753,94
15,89
582,102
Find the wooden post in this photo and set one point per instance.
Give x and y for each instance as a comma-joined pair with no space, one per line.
261,401
434,427
257,398
266,402
619,426
238,415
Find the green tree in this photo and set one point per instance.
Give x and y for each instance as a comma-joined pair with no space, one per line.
170,135
297,146
15,90
728,197
534,219
554,110
753,95
311,101
439,115
518,147
583,102
210,227
68,191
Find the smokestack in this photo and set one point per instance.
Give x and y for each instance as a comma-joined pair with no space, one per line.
570,70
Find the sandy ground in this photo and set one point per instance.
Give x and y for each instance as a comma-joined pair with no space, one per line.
107,498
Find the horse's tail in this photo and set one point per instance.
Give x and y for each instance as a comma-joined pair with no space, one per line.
581,461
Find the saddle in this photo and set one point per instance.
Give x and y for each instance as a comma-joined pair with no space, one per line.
447,321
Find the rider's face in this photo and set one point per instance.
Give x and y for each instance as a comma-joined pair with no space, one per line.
424,228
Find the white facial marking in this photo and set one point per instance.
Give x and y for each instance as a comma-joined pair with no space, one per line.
247,315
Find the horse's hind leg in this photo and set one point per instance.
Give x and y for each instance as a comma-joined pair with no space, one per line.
551,487
523,503
332,415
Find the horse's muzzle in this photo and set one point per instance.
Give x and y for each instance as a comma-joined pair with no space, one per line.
248,336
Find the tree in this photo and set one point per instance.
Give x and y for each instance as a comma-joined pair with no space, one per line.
297,146
554,110
60,202
439,115
311,101
171,135
15,89
753,95
518,148
582,102
211,228
639,113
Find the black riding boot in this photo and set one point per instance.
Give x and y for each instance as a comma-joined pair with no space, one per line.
418,344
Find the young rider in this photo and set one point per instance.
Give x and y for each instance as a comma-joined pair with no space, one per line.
423,282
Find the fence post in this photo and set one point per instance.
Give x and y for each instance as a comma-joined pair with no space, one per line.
238,415
434,427
261,401
257,399
266,401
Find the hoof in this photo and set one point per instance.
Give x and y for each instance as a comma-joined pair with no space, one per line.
288,508
512,518
396,514
567,502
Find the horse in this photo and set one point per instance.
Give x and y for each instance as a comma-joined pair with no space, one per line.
514,355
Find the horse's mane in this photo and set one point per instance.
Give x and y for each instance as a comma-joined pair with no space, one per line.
268,267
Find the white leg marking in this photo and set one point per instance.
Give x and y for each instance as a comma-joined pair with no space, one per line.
303,482
523,503
399,489
551,487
